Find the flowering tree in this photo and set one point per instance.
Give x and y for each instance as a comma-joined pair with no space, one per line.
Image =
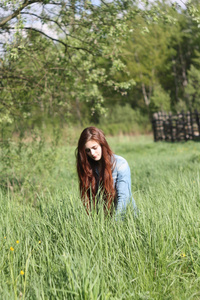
58,54
79,34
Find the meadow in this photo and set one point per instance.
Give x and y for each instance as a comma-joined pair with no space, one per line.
51,249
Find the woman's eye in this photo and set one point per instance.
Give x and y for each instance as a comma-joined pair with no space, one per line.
87,150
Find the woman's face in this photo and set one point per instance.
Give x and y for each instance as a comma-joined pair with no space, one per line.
93,150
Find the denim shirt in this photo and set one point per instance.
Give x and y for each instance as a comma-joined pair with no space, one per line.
122,182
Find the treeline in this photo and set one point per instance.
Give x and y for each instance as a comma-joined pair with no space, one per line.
112,64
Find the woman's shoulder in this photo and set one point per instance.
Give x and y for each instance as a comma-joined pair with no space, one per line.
120,162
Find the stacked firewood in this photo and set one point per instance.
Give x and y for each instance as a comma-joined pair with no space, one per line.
178,127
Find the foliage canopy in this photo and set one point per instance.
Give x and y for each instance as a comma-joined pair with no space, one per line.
73,60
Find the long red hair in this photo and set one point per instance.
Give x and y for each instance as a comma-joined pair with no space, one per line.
86,169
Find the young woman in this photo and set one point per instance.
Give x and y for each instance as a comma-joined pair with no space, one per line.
103,176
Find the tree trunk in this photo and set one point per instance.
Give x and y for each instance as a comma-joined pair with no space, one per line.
78,112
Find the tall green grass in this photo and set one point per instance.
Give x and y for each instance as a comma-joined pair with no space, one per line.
66,254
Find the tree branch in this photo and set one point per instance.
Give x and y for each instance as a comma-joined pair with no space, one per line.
58,24
55,40
17,12
105,3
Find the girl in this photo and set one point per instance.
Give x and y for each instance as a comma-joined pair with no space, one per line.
102,174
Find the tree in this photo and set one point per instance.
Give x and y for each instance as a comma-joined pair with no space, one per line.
146,54
81,34
192,88
86,56
157,54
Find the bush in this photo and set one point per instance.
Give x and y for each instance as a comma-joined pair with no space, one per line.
124,120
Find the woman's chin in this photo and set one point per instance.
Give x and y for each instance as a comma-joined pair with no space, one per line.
96,158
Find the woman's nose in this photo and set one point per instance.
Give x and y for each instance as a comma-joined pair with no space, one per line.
92,151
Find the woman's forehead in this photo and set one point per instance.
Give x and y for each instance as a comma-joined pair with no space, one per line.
90,144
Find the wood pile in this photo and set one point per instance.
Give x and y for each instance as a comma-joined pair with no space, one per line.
179,127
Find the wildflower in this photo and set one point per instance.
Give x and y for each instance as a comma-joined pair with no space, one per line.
4,237
39,242
21,272
11,249
183,255
17,242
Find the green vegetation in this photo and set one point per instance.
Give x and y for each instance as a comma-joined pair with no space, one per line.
51,249
76,61
68,64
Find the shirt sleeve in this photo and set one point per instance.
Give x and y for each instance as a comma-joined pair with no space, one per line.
123,187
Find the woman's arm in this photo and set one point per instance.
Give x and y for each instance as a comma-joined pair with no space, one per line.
123,186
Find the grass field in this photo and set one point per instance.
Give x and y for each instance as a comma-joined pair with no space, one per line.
51,249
